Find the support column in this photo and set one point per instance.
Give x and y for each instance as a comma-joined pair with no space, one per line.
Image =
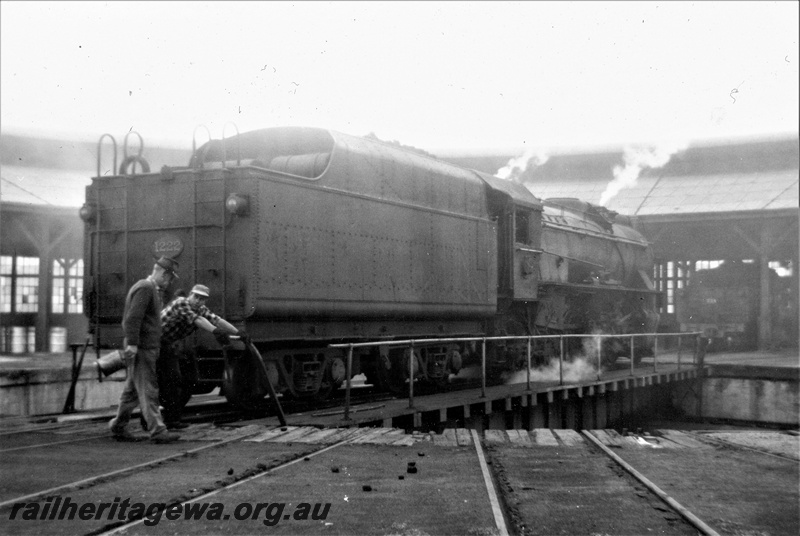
764,315
588,405
553,411
571,413
536,417
496,421
616,408
45,287
601,408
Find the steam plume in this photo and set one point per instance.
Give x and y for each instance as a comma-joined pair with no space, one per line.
636,159
517,166
578,370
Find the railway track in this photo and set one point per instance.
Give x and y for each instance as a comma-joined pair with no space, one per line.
258,472
223,463
684,512
289,445
670,482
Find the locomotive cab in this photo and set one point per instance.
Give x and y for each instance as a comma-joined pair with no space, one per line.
518,214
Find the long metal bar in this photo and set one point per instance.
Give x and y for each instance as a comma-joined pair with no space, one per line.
126,280
599,355
254,351
483,369
69,404
406,342
224,244
568,258
632,352
655,354
528,383
95,260
581,230
194,229
411,361
347,387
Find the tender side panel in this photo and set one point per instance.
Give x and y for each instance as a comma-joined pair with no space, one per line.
331,252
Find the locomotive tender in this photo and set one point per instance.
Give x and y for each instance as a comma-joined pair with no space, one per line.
309,237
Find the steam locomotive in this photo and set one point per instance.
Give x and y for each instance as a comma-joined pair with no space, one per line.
309,237
723,303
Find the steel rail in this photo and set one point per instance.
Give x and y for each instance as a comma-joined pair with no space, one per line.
739,446
497,510
120,472
675,505
265,472
40,445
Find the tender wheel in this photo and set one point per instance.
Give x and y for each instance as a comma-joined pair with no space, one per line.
332,378
392,369
389,378
243,383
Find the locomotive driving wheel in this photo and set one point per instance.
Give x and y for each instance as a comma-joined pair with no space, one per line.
512,353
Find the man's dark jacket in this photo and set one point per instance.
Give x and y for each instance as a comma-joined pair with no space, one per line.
141,320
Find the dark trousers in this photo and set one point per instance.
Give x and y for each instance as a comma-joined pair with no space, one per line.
170,384
140,390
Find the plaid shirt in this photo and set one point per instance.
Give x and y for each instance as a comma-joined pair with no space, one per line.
177,319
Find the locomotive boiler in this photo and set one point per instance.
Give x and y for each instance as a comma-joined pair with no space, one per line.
309,237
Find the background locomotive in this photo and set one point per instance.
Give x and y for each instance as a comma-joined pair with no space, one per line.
723,303
308,237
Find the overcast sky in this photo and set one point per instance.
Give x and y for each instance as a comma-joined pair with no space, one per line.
465,76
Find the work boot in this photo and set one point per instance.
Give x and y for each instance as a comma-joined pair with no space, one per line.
176,425
121,434
144,422
165,437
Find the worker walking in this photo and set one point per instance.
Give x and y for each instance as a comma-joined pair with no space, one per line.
142,328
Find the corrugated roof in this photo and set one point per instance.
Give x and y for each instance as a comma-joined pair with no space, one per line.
686,194
716,177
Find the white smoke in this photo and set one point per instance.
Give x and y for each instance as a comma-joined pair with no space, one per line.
517,166
636,159
575,370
